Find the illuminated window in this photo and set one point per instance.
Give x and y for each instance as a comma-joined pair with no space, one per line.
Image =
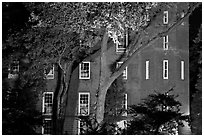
84,99
147,69
47,127
165,17
50,75
47,103
165,42
13,69
123,42
124,72
84,70
165,69
182,70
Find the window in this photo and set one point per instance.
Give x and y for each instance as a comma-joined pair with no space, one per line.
123,123
13,69
123,42
165,69
124,72
125,102
165,17
81,127
84,70
47,103
165,42
50,75
147,69
84,99
47,127
182,70
147,17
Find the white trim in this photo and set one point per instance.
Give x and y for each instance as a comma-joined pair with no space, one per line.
165,69
124,71
126,100
166,42
80,65
147,17
78,131
165,17
121,50
43,129
182,70
83,93
43,102
51,73
147,69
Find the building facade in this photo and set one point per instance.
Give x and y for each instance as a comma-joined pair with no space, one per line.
161,66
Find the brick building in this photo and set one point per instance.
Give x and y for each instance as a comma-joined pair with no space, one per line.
162,65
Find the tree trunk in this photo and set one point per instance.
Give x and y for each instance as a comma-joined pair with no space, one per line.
106,81
59,87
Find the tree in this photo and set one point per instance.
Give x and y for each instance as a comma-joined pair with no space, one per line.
114,105
50,39
19,95
196,95
19,98
159,113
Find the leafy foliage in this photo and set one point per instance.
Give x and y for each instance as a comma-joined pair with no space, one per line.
158,114
19,100
91,127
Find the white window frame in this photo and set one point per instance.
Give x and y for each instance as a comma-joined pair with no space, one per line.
126,101
147,69
16,70
51,73
122,50
166,42
165,17
123,123
43,103
147,17
43,128
83,93
124,71
165,69
79,127
182,70
80,71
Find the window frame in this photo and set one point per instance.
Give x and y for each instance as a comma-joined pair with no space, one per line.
51,75
122,50
43,103
80,70
13,73
165,69
79,105
147,70
166,42
124,75
126,101
182,70
79,127
43,127
165,17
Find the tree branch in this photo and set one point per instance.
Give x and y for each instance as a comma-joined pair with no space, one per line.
147,43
